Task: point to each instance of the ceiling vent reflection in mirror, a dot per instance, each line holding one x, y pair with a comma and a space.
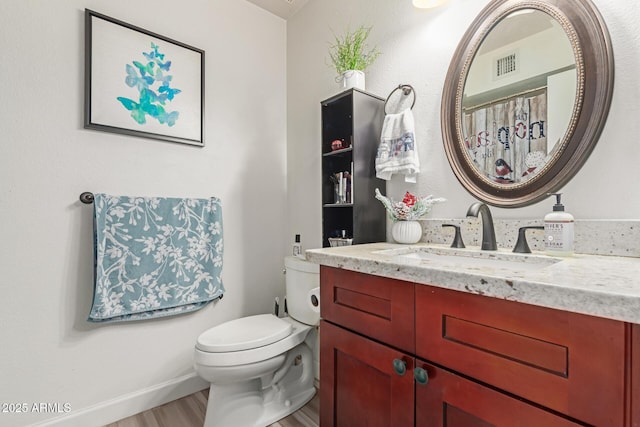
506, 65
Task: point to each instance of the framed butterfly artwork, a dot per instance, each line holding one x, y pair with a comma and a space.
142, 84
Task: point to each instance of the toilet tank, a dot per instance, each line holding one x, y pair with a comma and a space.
301, 278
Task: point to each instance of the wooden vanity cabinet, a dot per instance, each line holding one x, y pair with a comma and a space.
489, 362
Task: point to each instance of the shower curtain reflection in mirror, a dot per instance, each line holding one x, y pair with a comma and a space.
507, 139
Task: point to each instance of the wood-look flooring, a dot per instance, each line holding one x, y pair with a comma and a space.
189, 412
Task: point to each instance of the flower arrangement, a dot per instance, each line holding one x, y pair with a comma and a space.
410, 208
348, 51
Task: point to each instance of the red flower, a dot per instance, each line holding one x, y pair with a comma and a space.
409, 199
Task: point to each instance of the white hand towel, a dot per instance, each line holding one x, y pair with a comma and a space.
397, 152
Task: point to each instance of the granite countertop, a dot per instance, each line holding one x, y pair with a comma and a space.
603, 286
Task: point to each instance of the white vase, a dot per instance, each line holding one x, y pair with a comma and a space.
352, 78
406, 231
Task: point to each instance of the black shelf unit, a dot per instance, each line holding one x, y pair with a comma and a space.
355, 118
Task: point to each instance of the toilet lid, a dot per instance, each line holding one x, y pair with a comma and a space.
244, 333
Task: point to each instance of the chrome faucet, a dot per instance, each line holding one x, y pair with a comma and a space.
488, 232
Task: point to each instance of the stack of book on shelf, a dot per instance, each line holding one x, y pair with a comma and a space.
343, 186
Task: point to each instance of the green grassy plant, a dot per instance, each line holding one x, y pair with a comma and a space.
349, 51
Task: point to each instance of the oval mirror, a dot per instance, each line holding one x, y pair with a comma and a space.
526, 97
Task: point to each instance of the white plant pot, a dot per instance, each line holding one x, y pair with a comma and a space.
406, 232
352, 79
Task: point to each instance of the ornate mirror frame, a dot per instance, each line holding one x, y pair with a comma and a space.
590, 41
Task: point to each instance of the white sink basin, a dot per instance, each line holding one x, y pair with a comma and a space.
469, 258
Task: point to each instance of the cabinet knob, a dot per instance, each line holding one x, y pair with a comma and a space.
399, 366
421, 376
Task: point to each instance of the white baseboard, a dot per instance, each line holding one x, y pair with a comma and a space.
129, 404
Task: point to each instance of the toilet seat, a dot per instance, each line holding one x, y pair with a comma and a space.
298, 332
244, 334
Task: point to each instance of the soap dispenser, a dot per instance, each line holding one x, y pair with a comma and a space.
297, 246
558, 230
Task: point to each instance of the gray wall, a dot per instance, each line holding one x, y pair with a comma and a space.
417, 46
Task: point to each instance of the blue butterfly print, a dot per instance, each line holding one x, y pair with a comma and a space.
150, 56
134, 79
140, 109
144, 69
155, 51
160, 77
154, 88
164, 65
145, 106
169, 91
168, 118
162, 98
138, 112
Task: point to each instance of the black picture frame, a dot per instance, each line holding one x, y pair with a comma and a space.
142, 84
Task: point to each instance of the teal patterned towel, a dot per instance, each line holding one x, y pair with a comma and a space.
155, 256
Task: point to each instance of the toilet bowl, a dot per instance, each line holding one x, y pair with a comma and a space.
261, 367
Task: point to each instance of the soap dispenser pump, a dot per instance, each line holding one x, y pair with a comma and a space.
558, 230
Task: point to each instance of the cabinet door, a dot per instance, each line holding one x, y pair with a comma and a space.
449, 400
570, 363
360, 385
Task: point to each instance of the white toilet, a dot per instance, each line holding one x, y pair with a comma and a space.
261, 367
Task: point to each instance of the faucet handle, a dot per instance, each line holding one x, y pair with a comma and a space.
521, 245
457, 240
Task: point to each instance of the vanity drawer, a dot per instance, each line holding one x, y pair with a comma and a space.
568, 362
378, 307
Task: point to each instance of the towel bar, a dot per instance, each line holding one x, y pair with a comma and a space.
86, 198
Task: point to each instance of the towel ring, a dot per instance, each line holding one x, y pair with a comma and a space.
406, 91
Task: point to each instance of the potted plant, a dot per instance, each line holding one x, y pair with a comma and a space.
350, 57
405, 215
